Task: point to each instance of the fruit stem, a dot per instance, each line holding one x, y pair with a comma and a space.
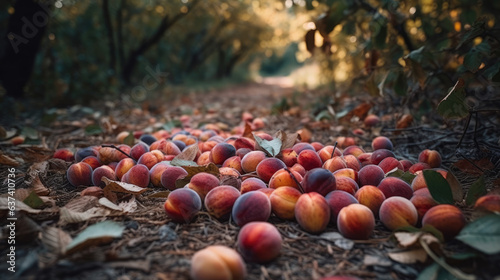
334, 148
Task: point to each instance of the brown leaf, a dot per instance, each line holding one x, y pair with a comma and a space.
405, 121
121, 187
362, 110
82, 203
407, 239
287, 140
467, 167
304, 135
455, 186
248, 131
55, 240
38, 187
6, 160
189, 153
68, 216
409, 257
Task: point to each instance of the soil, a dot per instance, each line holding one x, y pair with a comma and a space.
153, 247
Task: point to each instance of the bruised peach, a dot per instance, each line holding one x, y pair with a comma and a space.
326, 153
365, 159
393, 186
259, 242
346, 184
233, 162
319, 180
446, 218
312, 212
79, 174
156, 172
137, 175
380, 154
431, 157
338, 200
370, 175
251, 207
221, 152
396, 212
288, 156
353, 150
371, 197
356, 221
283, 202
220, 200
285, 177
64, 154
382, 142
217, 262
102, 171
389, 164
309, 159
92, 161
252, 184
250, 161
172, 174
267, 167
182, 205
138, 150
202, 183
489, 202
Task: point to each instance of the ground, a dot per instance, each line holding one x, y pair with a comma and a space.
153, 247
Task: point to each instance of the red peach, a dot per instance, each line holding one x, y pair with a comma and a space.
252, 184
123, 166
182, 205
242, 152
102, 171
299, 147
233, 162
138, 150
309, 159
422, 202
137, 175
288, 156
406, 164
371, 197
204, 158
326, 153
365, 159
250, 161
267, 167
64, 154
446, 218
202, 183
371, 120
156, 172
317, 146
149, 159
172, 174
221, 152
167, 147
334, 164
419, 166
370, 175
382, 142
319, 180
92, 161
244, 142
346, 184
396, 212
283, 202
85, 152
79, 174
347, 172
343, 141
353, 150
389, 164
217, 262
251, 207
284, 177
299, 169
356, 221
380, 154
338, 200
259, 242
312, 212
220, 200
431, 157
266, 191
393, 186
489, 202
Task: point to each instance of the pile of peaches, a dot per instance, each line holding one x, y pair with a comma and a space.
312, 184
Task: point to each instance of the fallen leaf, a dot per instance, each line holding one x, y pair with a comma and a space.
55, 240
68, 216
188, 154
94, 235
405, 121
371, 260
162, 194
6, 160
271, 148
20, 206
467, 166
121, 187
407, 239
287, 140
81, 203
410, 256
38, 187
362, 110
33, 200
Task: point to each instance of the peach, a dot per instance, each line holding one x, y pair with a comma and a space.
221, 152
146, 138
288, 156
406, 164
137, 175
138, 150
371, 197
389, 164
283, 202
170, 175
202, 183
431, 157
108, 154
102, 171
113, 165
79, 174
64, 154
207, 146
419, 166
370, 175
205, 135
285, 177
317, 146
422, 202
123, 166
229, 171
382, 142
396, 212
346, 184
92, 161
319, 180
217, 262
347, 172
446, 218
181, 145
167, 147
353, 150
233, 162
149, 159
266, 191
182, 205
85, 152
156, 172
251, 207
258, 123
489, 202
371, 120
338, 200
352, 162
365, 159
356, 221
345, 141
244, 142
309, 159
161, 134
419, 180
267, 167
312, 212
326, 153
242, 152
334, 164
380, 154
299, 147
220, 200
393, 186
259, 242
299, 169
252, 184
250, 161
204, 158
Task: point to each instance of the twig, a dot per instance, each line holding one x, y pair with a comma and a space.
115, 147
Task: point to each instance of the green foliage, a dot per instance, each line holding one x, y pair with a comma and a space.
438, 187
477, 189
483, 234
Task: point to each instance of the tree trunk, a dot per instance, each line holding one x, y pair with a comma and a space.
109, 30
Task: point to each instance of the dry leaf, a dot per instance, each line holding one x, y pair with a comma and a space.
55, 240
468, 167
106, 203
121, 187
68, 216
409, 257
81, 203
6, 160
94, 235
405, 121
248, 131
287, 140
407, 239
361, 110
304, 135
38, 186
189, 153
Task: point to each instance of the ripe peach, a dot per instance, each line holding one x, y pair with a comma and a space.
252, 184
165, 146
336, 201
288, 156
382, 142
365, 159
217, 262
419, 166
250, 161
202, 183
326, 153
123, 166
182, 205
266, 191
250, 207
347, 172
92, 161
264, 136
371, 197
172, 174
79, 174
221, 152
181, 145
267, 167
138, 150
419, 180
259, 242
309, 159
370, 175
108, 154
431, 157
380, 154
343, 141
371, 120
422, 202
317, 146
156, 173
149, 159
299, 169
137, 175
396, 212
244, 142
346, 184
85, 152
393, 186
356, 221
312, 212
161, 134
299, 147
319, 180
233, 162
353, 150
389, 164
446, 218
220, 200
204, 158
334, 164
113, 165
102, 171
207, 146
258, 123
352, 162
146, 138
284, 177
489, 202
406, 164
242, 152
64, 154
283, 202
229, 171
205, 135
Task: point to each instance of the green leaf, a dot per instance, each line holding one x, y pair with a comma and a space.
491, 71
472, 60
129, 140
453, 105
29, 132
455, 186
477, 190
93, 129
379, 31
483, 234
272, 148
401, 85
33, 200
405, 176
438, 187
429, 273
100, 233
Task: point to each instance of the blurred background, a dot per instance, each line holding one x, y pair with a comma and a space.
70, 52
